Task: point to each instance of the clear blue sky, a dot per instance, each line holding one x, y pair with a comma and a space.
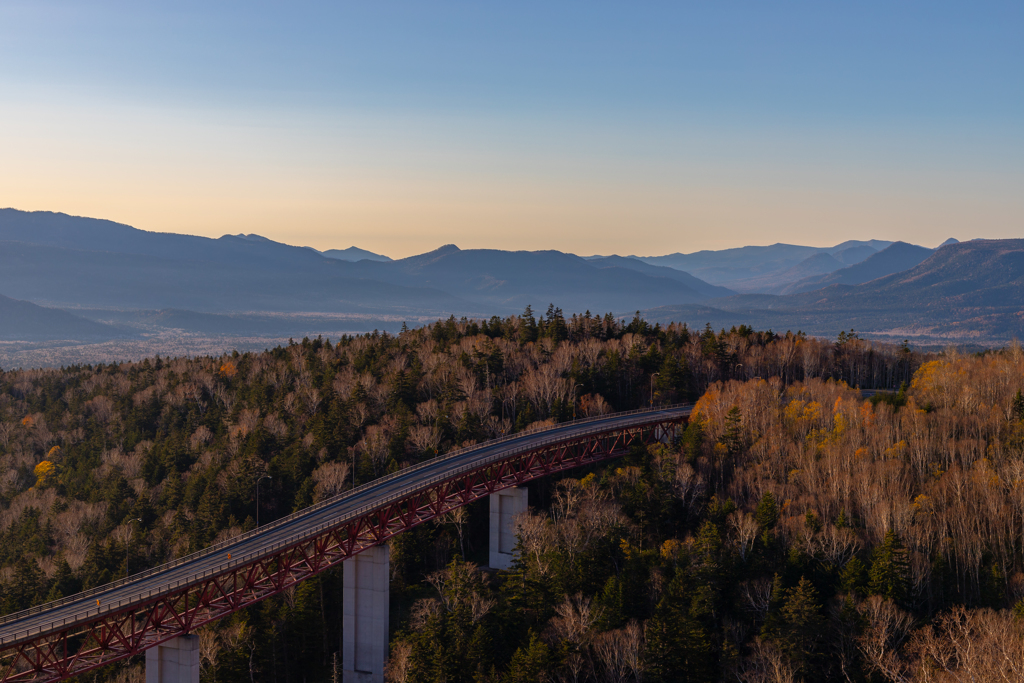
583, 126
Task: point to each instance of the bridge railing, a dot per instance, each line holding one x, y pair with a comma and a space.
302, 534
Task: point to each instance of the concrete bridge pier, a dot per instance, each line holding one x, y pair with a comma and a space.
366, 590
174, 661
505, 505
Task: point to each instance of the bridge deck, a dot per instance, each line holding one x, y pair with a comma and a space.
267, 540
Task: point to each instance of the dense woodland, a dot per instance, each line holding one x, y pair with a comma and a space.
794, 531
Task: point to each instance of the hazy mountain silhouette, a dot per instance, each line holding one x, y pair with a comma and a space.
730, 265
966, 290
812, 266
65, 261
103, 279
852, 255
979, 274
897, 257
59, 230
876, 245
690, 281
25, 321
248, 284
513, 279
354, 254
765, 269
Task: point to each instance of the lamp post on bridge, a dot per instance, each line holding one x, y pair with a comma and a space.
265, 476
574, 388
653, 375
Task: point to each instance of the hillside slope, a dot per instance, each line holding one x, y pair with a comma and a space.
24, 321
765, 268
965, 291
513, 279
970, 275
630, 263
897, 257
66, 261
103, 279
44, 228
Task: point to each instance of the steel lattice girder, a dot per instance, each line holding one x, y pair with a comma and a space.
117, 635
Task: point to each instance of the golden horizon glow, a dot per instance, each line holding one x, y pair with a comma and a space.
401, 186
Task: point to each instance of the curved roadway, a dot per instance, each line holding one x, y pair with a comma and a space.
312, 521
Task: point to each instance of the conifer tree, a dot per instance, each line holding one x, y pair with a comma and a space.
767, 511
796, 626
679, 647
733, 436
529, 664
890, 571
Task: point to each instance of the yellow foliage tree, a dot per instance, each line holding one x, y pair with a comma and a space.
44, 471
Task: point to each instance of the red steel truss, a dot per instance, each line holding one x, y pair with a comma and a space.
125, 630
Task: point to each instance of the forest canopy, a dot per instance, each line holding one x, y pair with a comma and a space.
795, 531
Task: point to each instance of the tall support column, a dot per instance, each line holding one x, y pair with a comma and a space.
505, 505
365, 616
175, 661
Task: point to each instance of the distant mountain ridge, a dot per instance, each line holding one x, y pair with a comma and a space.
690, 281
898, 256
354, 254
962, 291
81, 263
141, 282
766, 268
510, 280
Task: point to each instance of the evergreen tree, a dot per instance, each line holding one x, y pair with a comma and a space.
767, 511
528, 325
797, 627
679, 647
890, 570
530, 664
732, 438
854, 577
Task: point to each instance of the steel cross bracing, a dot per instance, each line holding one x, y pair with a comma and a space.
96, 635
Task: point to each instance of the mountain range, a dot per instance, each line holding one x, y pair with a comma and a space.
760, 269
969, 291
67, 277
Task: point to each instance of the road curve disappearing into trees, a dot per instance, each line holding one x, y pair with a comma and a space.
252, 546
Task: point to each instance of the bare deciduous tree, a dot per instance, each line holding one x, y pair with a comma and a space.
399, 664
620, 653
887, 629
331, 479
766, 665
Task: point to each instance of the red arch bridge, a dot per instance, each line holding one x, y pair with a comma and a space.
153, 610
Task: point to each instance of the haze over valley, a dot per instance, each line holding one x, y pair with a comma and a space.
70, 282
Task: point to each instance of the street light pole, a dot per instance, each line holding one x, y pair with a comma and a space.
575, 386
265, 476
128, 546
652, 387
